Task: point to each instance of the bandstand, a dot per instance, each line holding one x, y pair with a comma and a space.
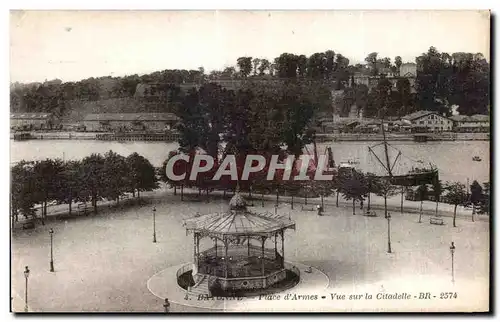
241, 261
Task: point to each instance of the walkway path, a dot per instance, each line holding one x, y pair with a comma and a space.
377, 202
164, 285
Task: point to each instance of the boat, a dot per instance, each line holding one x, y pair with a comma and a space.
476, 158
350, 164
415, 177
22, 136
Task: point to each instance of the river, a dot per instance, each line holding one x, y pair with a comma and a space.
452, 158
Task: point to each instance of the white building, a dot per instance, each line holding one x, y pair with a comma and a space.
428, 121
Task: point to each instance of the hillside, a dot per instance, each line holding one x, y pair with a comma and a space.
77, 109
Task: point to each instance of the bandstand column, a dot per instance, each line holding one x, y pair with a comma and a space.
215, 248
262, 259
225, 257
282, 248
198, 249
194, 250
275, 244
248, 247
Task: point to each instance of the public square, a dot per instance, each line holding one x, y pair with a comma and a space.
103, 262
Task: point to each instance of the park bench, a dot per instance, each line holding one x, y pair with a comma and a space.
82, 208
308, 208
29, 224
370, 213
436, 221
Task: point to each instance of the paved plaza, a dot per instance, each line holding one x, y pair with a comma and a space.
104, 262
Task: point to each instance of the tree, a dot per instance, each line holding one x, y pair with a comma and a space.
255, 64
47, 175
437, 191
115, 176
371, 59
245, 66
316, 66
421, 193
22, 187
484, 205
476, 196
385, 189
398, 62
70, 184
93, 178
302, 66
373, 186
354, 187
456, 195
329, 63
141, 174
324, 188
264, 65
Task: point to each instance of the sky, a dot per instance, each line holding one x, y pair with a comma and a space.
73, 45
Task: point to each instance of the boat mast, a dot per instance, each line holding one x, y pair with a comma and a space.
388, 167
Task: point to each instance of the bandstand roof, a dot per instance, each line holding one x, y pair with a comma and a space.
238, 220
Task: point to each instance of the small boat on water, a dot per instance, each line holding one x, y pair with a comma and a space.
22, 136
414, 177
476, 158
348, 164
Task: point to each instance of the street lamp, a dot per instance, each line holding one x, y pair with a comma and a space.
26, 275
51, 233
389, 233
154, 224
452, 251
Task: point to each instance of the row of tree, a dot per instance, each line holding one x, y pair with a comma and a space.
92, 179
442, 80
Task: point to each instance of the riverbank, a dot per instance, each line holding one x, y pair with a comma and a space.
408, 137
344, 137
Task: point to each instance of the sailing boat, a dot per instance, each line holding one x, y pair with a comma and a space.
415, 177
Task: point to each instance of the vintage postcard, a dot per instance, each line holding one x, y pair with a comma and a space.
250, 161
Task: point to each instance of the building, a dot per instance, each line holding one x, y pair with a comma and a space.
408, 70
474, 123
116, 122
31, 121
428, 121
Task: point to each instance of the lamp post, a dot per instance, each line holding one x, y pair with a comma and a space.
26, 275
154, 224
389, 233
51, 233
452, 251
275, 209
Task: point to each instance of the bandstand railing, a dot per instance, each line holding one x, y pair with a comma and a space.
242, 261
184, 268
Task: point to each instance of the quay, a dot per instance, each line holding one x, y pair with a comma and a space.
100, 136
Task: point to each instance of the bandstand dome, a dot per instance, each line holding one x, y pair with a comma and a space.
239, 261
238, 220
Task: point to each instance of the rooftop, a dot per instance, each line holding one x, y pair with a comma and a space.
238, 220
417, 115
131, 117
472, 118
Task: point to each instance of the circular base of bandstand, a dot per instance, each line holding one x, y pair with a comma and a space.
287, 280
164, 284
